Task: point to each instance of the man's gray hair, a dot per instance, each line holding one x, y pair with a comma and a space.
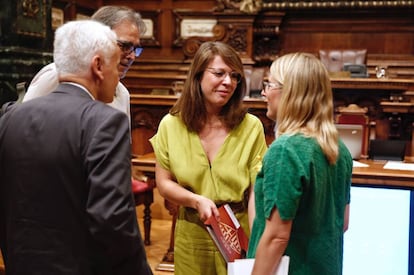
113, 15
76, 43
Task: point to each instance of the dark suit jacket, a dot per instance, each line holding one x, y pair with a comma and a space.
66, 205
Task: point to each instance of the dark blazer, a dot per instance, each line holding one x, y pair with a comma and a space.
66, 205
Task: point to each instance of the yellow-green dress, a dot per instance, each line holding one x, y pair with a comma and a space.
225, 179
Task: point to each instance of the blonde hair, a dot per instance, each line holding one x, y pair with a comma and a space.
306, 104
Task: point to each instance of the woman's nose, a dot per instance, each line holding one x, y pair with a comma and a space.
227, 78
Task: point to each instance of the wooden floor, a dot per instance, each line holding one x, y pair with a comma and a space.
160, 240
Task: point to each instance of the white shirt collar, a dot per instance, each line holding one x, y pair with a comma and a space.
80, 86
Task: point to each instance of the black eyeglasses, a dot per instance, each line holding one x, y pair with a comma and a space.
127, 47
221, 74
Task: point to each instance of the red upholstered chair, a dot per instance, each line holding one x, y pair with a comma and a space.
143, 188
353, 114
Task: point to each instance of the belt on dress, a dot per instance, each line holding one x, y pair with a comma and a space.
237, 207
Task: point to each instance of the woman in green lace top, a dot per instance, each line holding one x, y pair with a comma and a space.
303, 190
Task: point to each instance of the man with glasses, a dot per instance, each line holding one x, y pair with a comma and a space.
128, 26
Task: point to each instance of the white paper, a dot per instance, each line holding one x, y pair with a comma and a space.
245, 267
358, 164
399, 165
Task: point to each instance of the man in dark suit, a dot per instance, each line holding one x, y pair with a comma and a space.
66, 205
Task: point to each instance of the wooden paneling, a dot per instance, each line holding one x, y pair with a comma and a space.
279, 28
72, 8
384, 28
386, 33
379, 31
167, 23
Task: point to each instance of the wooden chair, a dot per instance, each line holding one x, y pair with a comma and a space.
143, 190
353, 114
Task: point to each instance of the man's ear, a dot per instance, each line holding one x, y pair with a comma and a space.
97, 67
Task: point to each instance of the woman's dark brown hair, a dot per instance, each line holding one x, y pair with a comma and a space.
190, 106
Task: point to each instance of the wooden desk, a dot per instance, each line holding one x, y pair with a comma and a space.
376, 176
396, 84
145, 164
169, 100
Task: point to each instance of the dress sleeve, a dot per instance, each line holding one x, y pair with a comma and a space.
159, 143
283, 178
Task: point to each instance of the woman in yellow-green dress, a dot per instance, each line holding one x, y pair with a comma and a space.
208, 151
